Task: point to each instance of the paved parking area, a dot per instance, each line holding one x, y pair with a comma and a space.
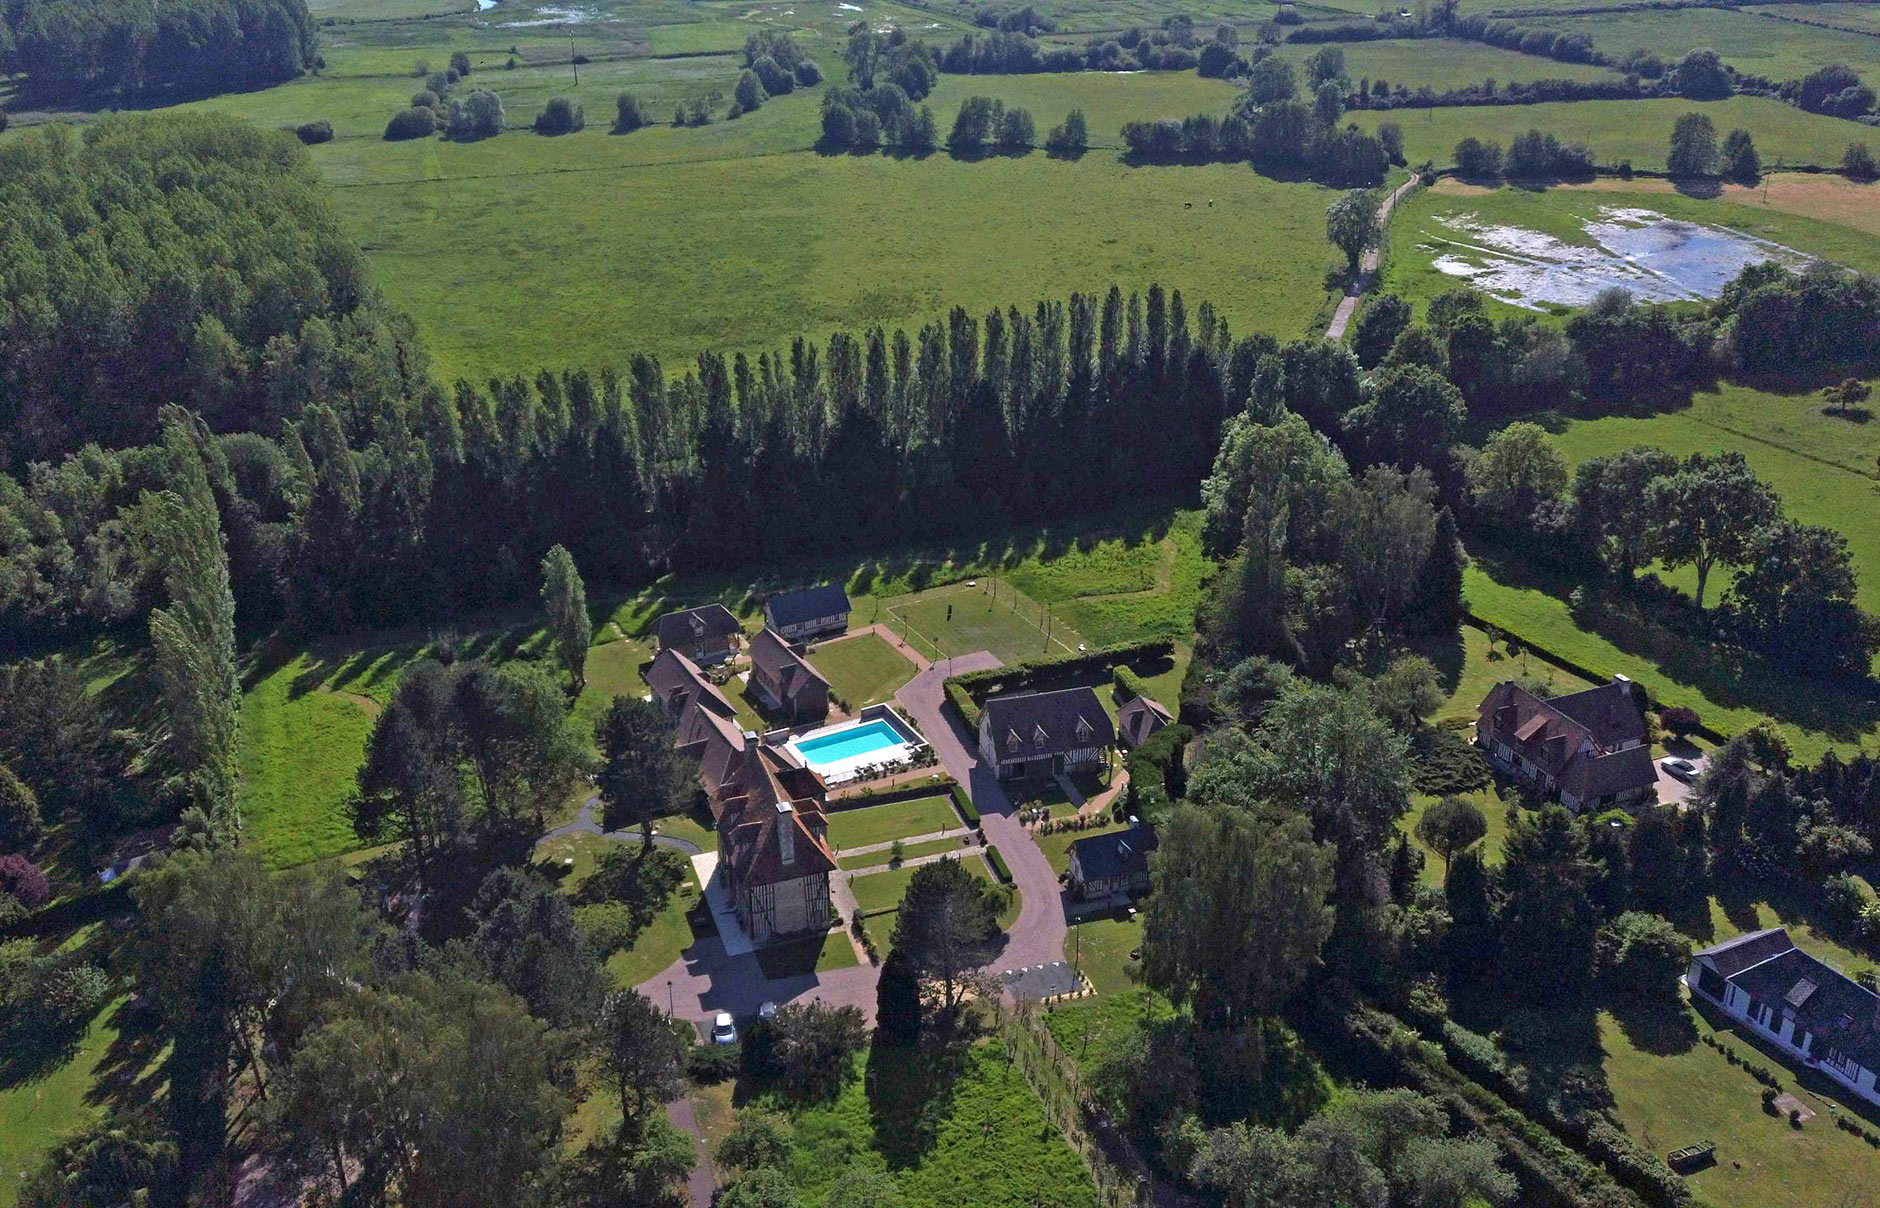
1034, 982
1671, 790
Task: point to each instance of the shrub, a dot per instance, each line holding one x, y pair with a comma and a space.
1859, 164
560, 116
808, 73
630, 114
74, 991
607, 926
750, 91
967, 809
411, 123
22, 879
1128, 683
460, 63
320, 131
711, 1063
424, 98
998, 864
1679, 720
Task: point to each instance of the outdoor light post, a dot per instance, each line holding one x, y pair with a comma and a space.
668, 998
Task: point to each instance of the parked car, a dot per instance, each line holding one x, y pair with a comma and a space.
1682, 769
767, 1010
723, 1030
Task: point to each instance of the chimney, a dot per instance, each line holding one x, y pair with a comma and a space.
1621, 679
786, 831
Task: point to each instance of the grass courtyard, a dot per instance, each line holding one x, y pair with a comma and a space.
872, 824
863, 669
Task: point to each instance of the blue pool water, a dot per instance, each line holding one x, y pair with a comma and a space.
848, 744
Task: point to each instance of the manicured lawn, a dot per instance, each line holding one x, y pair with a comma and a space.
1494, 811
1617, 130
1671, 1090
912, 851
882, 823
814, 954
949, 1129
584, 849
862, 669
613, 670
882, 891
684, 826
302, 745
660, 942
1101, 949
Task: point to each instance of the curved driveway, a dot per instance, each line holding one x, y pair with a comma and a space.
704, 980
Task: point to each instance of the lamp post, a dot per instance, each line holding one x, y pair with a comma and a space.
668, 998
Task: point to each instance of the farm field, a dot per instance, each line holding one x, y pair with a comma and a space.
1419, 230
862, 669
1754, 44
802, 244
1620, 130
1849, 16
1445, 63
1829, 199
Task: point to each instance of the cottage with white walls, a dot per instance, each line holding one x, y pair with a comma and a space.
1808, 1009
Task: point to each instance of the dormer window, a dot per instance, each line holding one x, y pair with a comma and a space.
1012, 740
1039, 736
1083, 728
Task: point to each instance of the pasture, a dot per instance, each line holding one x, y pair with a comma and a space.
1639, 131
1761, 44
1444, 63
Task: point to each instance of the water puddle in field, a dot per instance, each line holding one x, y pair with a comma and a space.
555, 16
1657, 259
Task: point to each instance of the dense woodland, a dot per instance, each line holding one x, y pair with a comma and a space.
93, 49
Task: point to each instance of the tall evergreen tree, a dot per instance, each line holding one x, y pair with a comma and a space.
565, 598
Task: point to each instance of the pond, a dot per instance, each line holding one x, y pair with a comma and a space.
1658, 259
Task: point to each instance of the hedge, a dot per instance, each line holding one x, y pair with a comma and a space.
889, 796
964, 805
998, 864
1128, 683
963, 701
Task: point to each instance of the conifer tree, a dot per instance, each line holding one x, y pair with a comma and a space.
565, 597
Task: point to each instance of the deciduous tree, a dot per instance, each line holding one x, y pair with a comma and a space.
564, 596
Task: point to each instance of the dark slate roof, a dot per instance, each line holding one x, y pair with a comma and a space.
1592, 776
781, 665
677, 683
1118, 854
696, 624
1753, 948
1139, 718
807, 604
1843, 1014
1029, 725
1608, 712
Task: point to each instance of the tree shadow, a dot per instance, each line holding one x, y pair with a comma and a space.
1701, 188
1660, 1031
910, 1094
1853, 415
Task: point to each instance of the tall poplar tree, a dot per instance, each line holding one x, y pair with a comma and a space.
565, 597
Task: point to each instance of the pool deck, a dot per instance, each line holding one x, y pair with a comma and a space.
836, 770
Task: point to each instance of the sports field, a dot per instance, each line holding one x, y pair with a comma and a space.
962, 618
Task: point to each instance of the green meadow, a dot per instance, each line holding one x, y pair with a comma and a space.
1639, 131
1444, 63
1754, 43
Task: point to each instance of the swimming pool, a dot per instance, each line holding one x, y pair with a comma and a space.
836, 752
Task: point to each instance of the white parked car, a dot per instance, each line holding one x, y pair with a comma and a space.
767, 1010
1682, 769
723, 1030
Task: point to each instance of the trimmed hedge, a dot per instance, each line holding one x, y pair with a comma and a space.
964, 805
964, 704
998, 864
1128, 683
890, 796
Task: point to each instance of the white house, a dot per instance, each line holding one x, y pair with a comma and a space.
1808, 1009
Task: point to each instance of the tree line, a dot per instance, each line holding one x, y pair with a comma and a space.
69, 49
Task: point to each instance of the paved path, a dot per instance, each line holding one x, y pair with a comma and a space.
958, 832
700, 1184
1037, 938
910, 862
1367, 267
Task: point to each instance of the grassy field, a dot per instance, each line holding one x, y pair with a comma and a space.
805, 244
1829, 199
1753, 43
897, 820
36, 1110
862, 669
960, 619
939, 1126
1419, 235
1848, 16
1101, 948
1618, 130
882, 891
1445, 63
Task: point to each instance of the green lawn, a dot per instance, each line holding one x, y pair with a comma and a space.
1445, 63
1494, 809
1419, 233
1090, 1029
882, 891
660, 942
872, 824
912, 851
944, 1128
862, 669
1671, 1090
36, 1111
301, 749
813, 954
958, 619
1616, 130
1101, 948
